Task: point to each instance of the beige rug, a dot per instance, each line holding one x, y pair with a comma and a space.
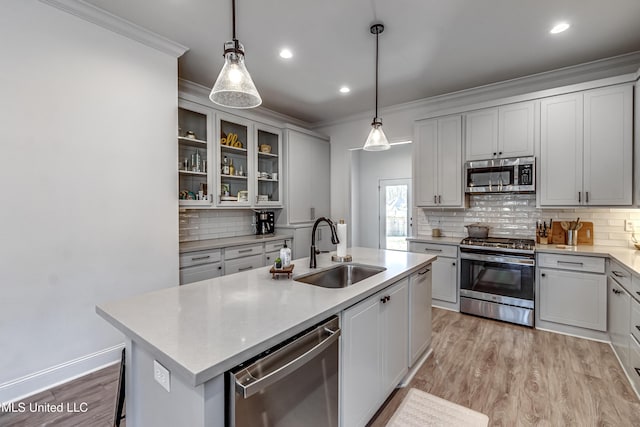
421, 409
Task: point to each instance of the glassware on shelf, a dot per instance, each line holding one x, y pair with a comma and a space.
232, 169
225, 166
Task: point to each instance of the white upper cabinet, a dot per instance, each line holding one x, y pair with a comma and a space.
505, 131
586, 148
438, 162
308, 177
268, 161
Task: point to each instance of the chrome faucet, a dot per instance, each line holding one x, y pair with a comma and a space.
334, 239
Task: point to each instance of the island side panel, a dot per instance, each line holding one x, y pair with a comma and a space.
150, 405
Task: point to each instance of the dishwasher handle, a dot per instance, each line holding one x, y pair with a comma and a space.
252, 385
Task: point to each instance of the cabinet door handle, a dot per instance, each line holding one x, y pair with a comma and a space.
500, 153
435, 199
579, 196
571, 263
543, 275
638, 293
244, 251
385, 298
198, 258
439, 199
617, 292
312, 212
453, 263
587, 196
617, 274
219, 267
245, 268
424, 272
638, 327
495, 154
637, 371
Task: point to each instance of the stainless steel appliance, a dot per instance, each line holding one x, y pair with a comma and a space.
513, 175
497, 278
265, 222
294, 384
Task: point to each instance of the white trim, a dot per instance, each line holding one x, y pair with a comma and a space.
118, 25
589, 334
595, 70
415, 368
199, 94
28, 385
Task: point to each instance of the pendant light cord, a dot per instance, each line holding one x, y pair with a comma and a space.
377, 35
233, 14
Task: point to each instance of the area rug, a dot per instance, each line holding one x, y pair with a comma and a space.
421, 409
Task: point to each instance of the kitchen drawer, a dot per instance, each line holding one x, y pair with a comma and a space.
634, 362
200, 272
635, 319
270, 257
572, 262
242, 251
450, 251
274, 246
620, 274
189, 259
635, 287
243, 264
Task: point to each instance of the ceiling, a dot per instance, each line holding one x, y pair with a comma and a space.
429, 47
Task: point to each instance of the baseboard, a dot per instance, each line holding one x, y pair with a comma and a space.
414, 369
31, 384
445, 305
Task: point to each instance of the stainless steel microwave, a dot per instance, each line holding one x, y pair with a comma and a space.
514, 175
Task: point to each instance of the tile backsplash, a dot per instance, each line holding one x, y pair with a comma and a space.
511, 215
214, 224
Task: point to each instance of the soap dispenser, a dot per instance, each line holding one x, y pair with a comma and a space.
285, 255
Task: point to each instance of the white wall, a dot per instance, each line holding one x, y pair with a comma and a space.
374, 166
88, 185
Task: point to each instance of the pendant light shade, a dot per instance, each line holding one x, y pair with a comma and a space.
234, 87
377, 140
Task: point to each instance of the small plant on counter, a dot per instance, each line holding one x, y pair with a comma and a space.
278, 263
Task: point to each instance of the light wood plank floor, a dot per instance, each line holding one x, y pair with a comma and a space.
516, 375
520, 376
97, 389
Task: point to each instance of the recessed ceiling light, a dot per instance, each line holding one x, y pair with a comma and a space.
558, 28
286, 54
345, 89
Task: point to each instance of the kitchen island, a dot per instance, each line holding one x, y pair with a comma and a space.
199, 331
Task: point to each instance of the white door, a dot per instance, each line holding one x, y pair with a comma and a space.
395, 213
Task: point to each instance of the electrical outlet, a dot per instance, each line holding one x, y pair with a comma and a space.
628, 225
162, 375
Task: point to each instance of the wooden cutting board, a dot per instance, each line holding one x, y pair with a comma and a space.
585, 234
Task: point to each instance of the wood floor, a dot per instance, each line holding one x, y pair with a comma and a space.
520, 376
515, 375
97, 389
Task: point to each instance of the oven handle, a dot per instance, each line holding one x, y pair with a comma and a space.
247, 390
497, 258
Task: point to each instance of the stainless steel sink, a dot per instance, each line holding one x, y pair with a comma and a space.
340, 276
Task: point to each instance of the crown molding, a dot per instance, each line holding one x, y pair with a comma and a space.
594, 70
118, 25
200, 94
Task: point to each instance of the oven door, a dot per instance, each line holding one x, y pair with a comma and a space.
500, 278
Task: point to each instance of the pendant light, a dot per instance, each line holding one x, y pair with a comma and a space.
377, 140
234, 87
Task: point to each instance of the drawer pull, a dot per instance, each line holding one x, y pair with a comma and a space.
198, 258
638, 293
571, 263
245, 268
385, 298
615, 291
638, 327
637, 371
424, 272
432, 250
244, 251
617, 274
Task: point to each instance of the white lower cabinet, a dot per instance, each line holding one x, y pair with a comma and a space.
619, 304
243, 264
374, 351
573, 298
445, 272
419, 313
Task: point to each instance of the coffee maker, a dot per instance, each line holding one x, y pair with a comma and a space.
265, 222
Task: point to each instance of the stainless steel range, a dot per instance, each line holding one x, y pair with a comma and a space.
497, 278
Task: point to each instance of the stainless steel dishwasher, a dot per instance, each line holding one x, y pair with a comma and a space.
294, 384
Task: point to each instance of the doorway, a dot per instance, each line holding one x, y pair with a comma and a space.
395, 220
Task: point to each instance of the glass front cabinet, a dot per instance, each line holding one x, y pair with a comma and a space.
195, 182
268, 161
226, 160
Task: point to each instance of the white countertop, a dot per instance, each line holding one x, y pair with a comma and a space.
629, 257
443, 240
201, 245
205, 328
